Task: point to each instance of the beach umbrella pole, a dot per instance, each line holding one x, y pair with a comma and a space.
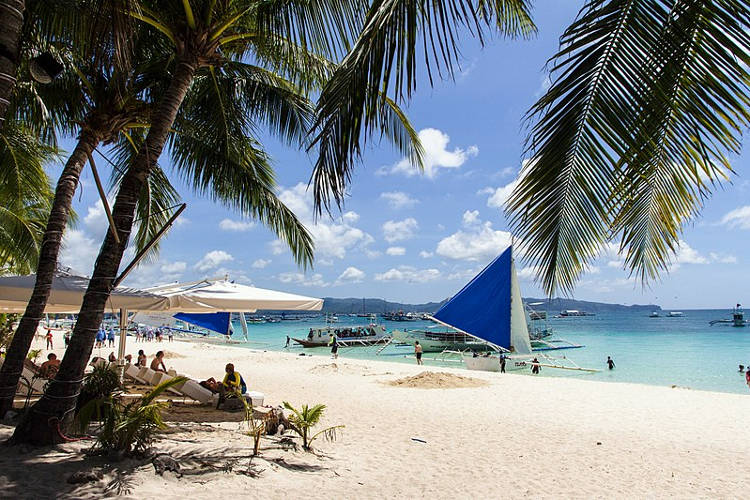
123, 339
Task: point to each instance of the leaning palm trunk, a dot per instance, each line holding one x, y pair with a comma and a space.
11, 13
48, 419
51, 241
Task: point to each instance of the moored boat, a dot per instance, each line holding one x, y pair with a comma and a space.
345, 336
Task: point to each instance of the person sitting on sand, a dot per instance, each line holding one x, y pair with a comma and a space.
112, 357
232, 386
141, 359
49, 368
157, 364
129, 358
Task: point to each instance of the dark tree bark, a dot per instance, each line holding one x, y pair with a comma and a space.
48, 253
11, 22
49, 418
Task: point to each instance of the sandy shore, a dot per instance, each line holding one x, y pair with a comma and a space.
513, 435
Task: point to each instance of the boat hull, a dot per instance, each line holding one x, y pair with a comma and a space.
492, 363
437, 342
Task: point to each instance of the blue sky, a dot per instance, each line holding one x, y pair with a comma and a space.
420, 237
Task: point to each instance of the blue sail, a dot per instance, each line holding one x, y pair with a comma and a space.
218, 322
483, 307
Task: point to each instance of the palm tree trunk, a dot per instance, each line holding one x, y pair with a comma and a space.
51, 241
49, 418
11, 13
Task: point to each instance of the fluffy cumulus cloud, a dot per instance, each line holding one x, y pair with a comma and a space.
436, 155
212, 260
302, 279
398, 199
737, 218
396, 251
79, 251
173, 267
237, 226
476, 241
260, 263
409, 274
350, 275
400, 230
425, 254
333, 238
498, 197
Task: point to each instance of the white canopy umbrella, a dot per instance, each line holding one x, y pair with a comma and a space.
67, 295
224, 295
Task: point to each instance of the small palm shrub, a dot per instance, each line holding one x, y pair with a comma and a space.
33, 355
98, 385
304, 419
128, 428
256, 426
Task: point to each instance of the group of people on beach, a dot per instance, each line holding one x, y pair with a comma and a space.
149, 334
103, 336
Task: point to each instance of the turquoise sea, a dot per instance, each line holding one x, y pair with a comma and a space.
685, 352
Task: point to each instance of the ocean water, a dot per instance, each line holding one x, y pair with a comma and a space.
685, 352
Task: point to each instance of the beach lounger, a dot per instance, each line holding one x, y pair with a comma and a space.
145, 375
194, 390
160, 377
131, 372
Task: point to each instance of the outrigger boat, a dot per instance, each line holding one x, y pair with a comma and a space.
738, 318
350, 336
489, 308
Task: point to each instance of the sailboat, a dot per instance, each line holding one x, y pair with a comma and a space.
489, 308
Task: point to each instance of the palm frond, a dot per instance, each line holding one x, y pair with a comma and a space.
647, 98
383, 61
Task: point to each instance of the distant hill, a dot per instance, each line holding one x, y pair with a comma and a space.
353, 305
556, 305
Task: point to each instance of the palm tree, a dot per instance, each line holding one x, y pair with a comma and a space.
649, 100
10, 37
242, 177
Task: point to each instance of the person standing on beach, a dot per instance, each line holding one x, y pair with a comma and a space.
610, 363
747, 378
334, 343
503, 359
418, 352
111, 337
287, 342
535, 368
49, 339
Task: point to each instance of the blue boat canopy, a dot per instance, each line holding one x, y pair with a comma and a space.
217, 322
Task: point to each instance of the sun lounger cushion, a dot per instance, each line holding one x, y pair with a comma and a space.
164, 377
131, 371
194, 390
145, 375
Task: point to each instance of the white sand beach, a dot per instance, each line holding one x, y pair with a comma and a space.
515, 435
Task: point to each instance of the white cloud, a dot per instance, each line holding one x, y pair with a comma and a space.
498, 197
409, 274
470, 217
277, 247
333, 238
350, 275
372, 254
235, 225
396, 251
212, 260
350, 217
398, 199
79, 251
737, 218
260, 263
478, 241
425, 254
436, 156
722, 258
399, 230
688, 255
301, 279
173, 267
528, 272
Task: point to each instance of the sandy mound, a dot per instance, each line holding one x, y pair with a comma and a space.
172, 355
437, 380
338, 368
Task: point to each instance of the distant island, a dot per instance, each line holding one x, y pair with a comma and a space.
379, 306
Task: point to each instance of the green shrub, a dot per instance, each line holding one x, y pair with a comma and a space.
127, 428
101, 383
305, 419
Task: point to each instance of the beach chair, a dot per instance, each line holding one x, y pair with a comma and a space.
160, 377
194, 390
145, 375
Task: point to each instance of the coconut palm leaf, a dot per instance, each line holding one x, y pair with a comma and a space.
383, 62
26, 194
639, 105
